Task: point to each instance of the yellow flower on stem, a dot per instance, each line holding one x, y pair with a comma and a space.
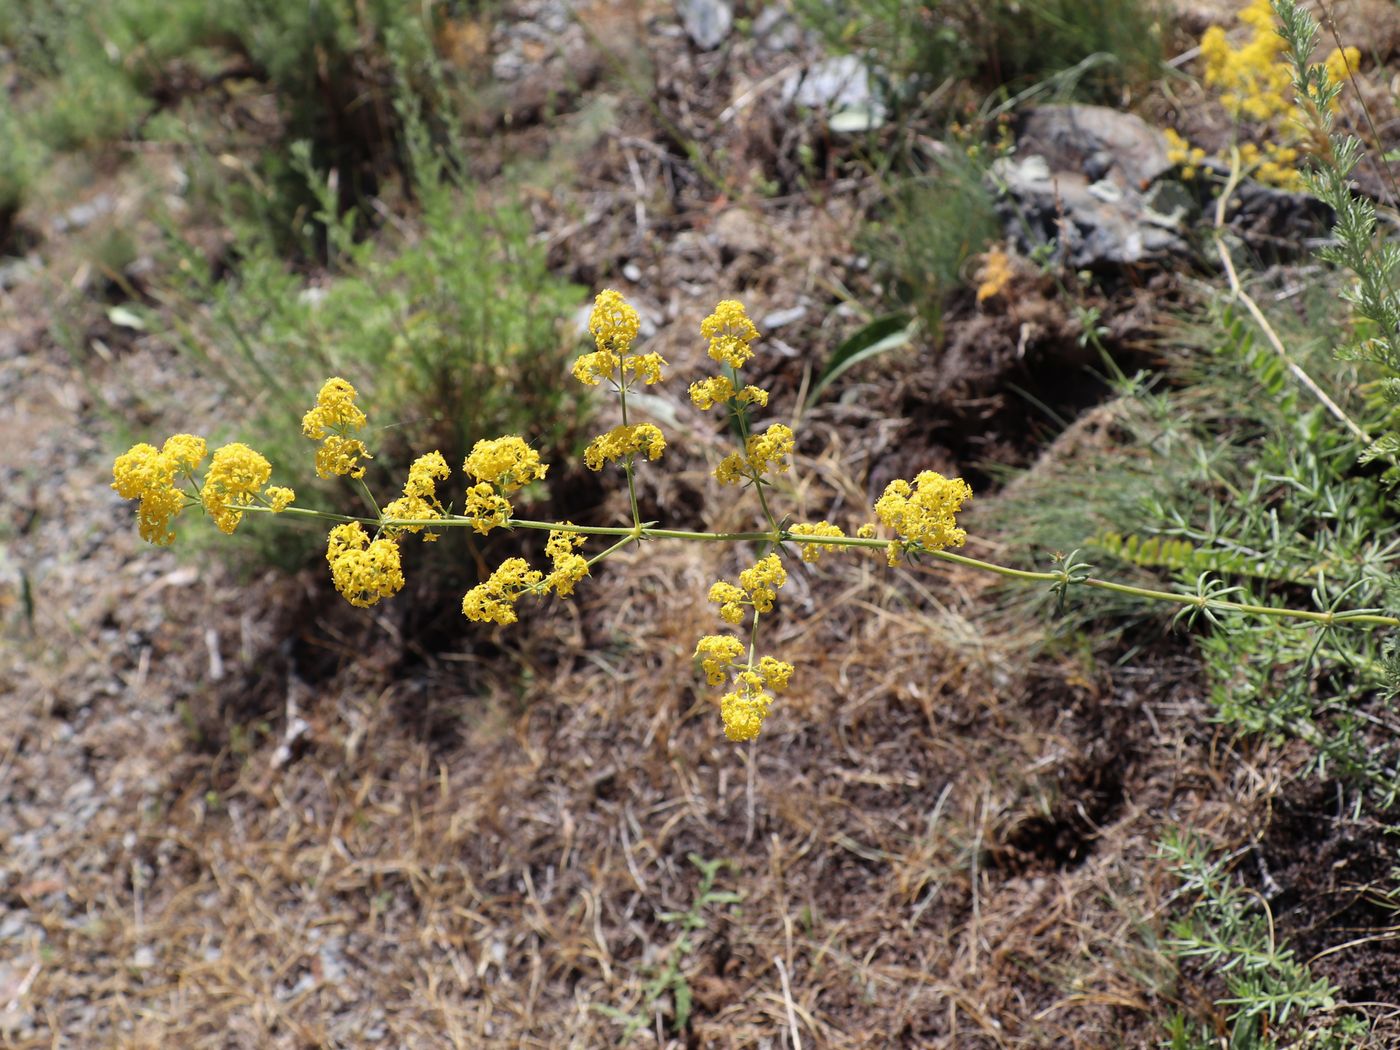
623, 441
730, 332
763, 454
148, 474
716, 390
236, 475
744, 709
758, 587
613, 323
494, 600
363, 571
717, 654
335, 410
419, 500
331, 422
279, 498
506, 462
569, 566
486, 508
923, 514
813, 551
775, 673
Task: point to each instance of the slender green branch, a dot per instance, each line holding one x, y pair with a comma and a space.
648, 531
627, 463
303, 512
369, 497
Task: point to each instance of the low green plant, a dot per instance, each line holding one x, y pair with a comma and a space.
1004, 45
930, 228
454, 323
90, 72
668, 979
1272, 1000
1230, 480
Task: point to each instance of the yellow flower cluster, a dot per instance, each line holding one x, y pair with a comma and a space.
923, 514
236, 475
730, 332
1253, 79
506, 464
758, 587
614, 325
362, 570
717, 654
623, 441
332, 422
234, 482
494, 600
993, 275
744, 708
486, 508
419, 501
746, 705
765, 453
1183, 155
148, 473
717, 390
569, 566
1255, 83
814, 551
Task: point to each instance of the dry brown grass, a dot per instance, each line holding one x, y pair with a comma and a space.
941, 840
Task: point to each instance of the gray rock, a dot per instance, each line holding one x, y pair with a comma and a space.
1092, 223
80, 215
706, 22
1081, 178
840, 85
776, 30
1099, 143
15, 271
782, 318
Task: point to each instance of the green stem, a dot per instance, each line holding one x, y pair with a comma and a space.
369, 497
763, 502
645, 531
627, 463
303, 512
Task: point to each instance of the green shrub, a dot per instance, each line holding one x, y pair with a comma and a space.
1230, 474
450, 329
1273, 1000
341, 70
932, 226
1002, 45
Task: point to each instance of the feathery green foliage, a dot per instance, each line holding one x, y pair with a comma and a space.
453, 327
1272, 1000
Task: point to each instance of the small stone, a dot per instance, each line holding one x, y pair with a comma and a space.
706, 22
782, 318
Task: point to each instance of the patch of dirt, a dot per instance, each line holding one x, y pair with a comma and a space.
1334, 888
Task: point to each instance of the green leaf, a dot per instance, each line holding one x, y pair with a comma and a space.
682, 990
883, 334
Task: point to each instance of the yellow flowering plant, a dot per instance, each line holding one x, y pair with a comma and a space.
364, 553
1252, 77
